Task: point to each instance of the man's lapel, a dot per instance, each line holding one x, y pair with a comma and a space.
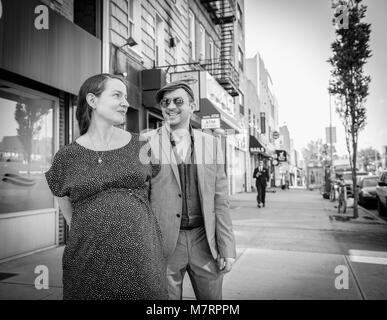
168, 156
198, 158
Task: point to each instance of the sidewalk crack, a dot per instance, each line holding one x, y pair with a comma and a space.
363, 297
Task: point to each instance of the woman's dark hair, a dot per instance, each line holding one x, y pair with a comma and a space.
95, 85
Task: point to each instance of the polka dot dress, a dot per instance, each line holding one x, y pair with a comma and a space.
114, 250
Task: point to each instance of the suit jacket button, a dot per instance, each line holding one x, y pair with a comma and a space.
179, 195
178, 215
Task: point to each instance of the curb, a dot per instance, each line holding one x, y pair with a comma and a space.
373, 214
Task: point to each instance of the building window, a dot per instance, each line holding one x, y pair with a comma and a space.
178, 51
191, 31
240, 58
240, 16
212, 49
131, 18
159, 42
179, 5
263, 123
217, 53
254, 126
87, 15
250, 123
202, 35
134, 20
26, 148
241, 104
272, 109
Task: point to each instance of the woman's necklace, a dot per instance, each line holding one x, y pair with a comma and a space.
106, 148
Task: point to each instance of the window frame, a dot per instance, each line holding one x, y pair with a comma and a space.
192, 34
55, 146
136, 22
159, 41
202, 34
241, 58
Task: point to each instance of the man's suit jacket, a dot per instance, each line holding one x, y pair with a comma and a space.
166, 198
262, 177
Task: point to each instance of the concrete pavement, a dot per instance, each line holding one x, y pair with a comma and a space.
288, 250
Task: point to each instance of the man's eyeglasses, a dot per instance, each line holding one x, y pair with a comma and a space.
178, 102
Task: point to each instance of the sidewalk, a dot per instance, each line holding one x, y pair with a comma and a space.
259, 272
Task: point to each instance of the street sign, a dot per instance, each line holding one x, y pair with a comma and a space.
281, 155
328, 135
211, 122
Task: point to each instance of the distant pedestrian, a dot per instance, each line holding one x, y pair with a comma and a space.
287, 180
261, 175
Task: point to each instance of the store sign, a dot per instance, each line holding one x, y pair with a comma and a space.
257, 150
210, 89
193, 80
241, 141
211, 122
280, 155
276, 135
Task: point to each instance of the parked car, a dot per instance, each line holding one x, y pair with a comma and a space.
381, 194
367, 189
347, 176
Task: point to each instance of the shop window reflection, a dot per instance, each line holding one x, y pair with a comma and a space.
26, 150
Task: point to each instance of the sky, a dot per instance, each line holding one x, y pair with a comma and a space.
293, 37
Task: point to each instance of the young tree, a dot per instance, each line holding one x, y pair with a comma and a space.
318, 151
369, 156
29, 116
349, 84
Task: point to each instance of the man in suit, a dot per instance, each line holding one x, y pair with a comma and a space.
190, 199
261, 175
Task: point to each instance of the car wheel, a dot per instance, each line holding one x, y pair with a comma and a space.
382, 210
361, 202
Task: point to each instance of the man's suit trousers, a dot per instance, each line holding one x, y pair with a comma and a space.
192, 254
261, 189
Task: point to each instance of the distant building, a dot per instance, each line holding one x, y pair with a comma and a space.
263, 116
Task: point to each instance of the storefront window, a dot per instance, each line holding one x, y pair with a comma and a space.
26, 149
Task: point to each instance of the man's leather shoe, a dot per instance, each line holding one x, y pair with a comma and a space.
263, 205
258, 205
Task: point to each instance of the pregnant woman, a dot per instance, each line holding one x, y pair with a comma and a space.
114, 250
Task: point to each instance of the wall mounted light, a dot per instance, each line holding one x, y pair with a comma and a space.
172, 42
130, 42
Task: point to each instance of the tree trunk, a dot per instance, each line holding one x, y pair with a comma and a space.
354, 182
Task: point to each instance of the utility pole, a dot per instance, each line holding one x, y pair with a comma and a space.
330, 131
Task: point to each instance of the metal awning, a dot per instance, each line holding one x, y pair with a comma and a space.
207, 108
257, 147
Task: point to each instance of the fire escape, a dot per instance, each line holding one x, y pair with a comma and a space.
223, 13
